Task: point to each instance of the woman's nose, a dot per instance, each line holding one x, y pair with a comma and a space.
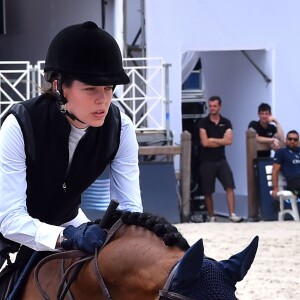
100, 95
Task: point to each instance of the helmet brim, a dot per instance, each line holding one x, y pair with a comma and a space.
120, 78
103, 80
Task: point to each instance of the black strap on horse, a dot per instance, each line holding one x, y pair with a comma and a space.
165, 293
113, 204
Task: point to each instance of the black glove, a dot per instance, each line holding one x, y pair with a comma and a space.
86, 237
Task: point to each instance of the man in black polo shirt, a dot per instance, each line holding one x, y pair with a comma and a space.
215, 133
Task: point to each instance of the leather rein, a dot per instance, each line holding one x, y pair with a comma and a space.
166, 294
65, 283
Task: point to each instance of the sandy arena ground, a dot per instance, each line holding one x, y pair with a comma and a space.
275, 272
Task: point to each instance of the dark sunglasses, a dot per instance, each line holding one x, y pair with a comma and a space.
293, 139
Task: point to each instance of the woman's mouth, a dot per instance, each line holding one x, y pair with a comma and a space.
99, 113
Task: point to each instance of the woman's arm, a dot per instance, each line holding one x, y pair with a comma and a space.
15, 222
124, 170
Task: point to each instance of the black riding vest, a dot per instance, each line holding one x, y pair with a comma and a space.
53, 194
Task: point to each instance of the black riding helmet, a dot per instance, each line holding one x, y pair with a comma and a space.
87, 53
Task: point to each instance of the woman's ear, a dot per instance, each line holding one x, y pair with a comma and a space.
54, 85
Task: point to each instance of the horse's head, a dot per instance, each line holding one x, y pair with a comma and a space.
197, 277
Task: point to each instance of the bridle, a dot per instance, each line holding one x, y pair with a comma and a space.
71, 273
166, 294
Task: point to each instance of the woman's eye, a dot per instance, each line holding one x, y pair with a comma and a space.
109, 87
89, 89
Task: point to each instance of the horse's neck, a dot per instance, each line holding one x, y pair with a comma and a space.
135, 265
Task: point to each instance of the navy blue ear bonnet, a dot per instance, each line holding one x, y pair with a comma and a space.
201, 278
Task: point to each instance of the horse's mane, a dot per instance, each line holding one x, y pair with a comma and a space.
158, 225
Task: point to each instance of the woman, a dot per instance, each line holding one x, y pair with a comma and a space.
54, 146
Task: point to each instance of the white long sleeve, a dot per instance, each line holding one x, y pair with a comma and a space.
124, 170
15, 222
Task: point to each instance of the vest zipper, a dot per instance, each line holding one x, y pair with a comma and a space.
64, 186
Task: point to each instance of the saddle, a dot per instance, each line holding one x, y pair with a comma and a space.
10, 273
8, 278
13, 275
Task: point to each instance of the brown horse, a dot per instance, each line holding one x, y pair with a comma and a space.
137, 263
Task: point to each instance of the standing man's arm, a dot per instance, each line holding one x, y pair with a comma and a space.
205, 141
215, 142
275, 172
227, 138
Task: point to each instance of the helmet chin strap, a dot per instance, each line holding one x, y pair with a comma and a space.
62, 101
63, 110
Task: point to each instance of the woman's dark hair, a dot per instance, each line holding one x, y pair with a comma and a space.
66, 80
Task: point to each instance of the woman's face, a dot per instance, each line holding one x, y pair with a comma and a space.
88, 103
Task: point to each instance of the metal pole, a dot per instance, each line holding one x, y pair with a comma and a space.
265, 77
32, 70
125, 45
143, 43
143, 54
167, 66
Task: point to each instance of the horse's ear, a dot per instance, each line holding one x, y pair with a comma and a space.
190, 265
238, 265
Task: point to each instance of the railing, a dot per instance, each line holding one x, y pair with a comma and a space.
143, 100
184, 176
14, 83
